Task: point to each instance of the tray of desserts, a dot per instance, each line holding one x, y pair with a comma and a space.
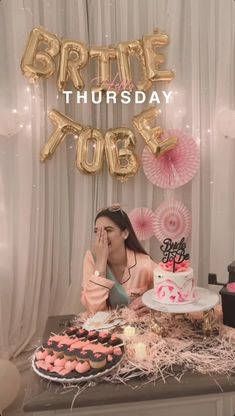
77, 355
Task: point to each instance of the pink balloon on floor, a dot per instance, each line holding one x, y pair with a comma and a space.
10, 380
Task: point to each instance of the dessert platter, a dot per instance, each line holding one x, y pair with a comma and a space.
77, 355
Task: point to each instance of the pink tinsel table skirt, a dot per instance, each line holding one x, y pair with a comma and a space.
184, 348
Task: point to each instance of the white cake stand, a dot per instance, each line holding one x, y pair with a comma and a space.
205, 301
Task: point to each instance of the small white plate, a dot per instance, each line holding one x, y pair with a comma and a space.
99, 326
101, 321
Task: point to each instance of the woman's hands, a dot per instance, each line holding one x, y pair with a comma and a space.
138, 306
100, 249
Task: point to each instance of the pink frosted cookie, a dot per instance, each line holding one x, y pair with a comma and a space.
117, 351
78, 344
55, 338
70, 365
99, 348
41, 355
64, 371
56, 370
44, 366
66, 340
50, 358
60, 362
82, 367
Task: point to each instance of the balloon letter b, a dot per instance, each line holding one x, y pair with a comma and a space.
37, 61
119, 145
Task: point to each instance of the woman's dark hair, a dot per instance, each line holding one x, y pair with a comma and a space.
121, 219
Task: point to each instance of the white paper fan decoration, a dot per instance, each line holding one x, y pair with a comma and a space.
172, 220
142, 222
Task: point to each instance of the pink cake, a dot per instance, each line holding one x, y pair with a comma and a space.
174, 288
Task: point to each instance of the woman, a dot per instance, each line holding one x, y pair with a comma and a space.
118, 270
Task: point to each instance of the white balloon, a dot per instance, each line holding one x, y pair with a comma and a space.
226, 123
10, 122
10, 380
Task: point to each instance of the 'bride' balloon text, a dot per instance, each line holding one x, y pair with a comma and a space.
39, 60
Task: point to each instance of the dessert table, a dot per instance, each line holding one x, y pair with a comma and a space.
194, 394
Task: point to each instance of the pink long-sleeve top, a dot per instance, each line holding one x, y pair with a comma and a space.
137, 279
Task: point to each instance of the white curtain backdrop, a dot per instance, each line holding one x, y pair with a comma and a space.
47, 210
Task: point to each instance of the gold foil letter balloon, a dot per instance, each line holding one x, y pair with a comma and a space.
37, 60
104, 75
73, 57
90, 142
126, 49
121, 159
64, 125
154, 59
153, 135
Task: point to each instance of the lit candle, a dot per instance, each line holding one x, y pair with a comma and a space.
140, 351
129, 331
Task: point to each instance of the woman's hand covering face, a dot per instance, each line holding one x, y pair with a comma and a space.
100, 246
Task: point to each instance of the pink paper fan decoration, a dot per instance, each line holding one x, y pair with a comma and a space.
172, 220
142, 222
175, 167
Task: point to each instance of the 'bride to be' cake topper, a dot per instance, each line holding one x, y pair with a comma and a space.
174, 252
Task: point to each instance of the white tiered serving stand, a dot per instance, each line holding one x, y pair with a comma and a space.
205, 301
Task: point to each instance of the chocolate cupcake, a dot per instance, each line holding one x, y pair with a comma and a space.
83, 355
92, 335
97, 360
59, 350
81, 333
72, 354
49, 346
104, 337
115, 341
71, 331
